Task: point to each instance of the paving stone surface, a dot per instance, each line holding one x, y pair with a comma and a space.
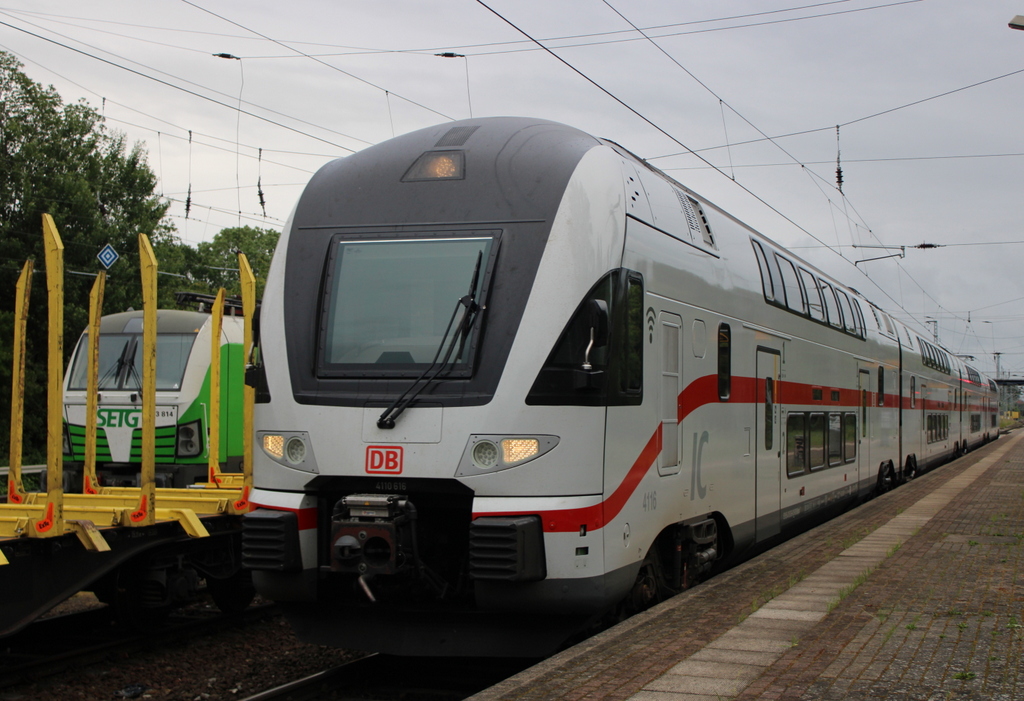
930, 606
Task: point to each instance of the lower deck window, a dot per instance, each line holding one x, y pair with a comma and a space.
796, 444
811, 436
937, 427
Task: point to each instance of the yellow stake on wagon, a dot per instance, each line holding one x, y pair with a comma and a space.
216, 323
51, 522
248, 281
15, 487
144, 513
91, 485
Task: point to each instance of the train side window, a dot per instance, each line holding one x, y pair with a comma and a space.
849, 437
881, 386
831, 306
615, 376
769, 413
791, 285
878, 319
835, 439
724, 362
888, 324
813, 295
767, 281
816, 441
631, 379
913, 392
796, 444
859, 313
864, 410
849, 321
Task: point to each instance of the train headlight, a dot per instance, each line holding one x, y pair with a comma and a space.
437, 165
295, 450
189, 443
273, 445
485, 455
289, 448
515, 450
493, 453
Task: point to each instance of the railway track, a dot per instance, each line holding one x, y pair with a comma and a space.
50, 646
387, 678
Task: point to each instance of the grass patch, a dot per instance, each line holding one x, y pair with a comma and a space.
888, 634
849, 589
964, 676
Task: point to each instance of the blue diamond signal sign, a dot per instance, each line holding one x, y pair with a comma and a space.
108, 256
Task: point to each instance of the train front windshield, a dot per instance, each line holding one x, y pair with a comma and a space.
120, 361
392, 304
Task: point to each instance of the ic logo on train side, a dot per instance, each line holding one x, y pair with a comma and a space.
384, 459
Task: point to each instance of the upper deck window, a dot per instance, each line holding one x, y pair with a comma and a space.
791, 284
394, 307
813, 295
767, 279
831, 306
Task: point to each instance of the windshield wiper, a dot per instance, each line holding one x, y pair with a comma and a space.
387, 419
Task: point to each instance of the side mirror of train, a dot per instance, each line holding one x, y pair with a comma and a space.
597, 316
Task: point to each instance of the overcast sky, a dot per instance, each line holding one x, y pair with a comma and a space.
929, 96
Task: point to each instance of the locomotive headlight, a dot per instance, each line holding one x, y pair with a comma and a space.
496, 453
290, 448
273, 445
295, 450
189, 441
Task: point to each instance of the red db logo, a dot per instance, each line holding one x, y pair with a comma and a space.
384, 459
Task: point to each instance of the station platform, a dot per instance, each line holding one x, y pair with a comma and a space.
916, 594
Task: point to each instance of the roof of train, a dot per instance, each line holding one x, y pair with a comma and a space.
167, 321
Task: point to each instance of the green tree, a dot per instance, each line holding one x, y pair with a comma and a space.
214, 264
60, 159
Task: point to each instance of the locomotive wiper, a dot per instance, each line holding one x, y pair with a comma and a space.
387, 418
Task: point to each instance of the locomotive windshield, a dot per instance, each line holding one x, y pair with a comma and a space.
120, 361
391, 304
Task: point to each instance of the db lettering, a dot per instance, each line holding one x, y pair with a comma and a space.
384, 459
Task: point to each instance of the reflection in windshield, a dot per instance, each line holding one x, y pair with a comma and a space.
390, 301
120, 361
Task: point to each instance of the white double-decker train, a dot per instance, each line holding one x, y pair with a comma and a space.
513, 378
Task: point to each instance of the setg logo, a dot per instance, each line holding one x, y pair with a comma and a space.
119, 418
384, 459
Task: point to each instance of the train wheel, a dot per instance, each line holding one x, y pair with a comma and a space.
232, 594
910, 471
886, 478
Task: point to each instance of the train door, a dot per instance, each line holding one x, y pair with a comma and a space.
671, 386
768, 455
864, 454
